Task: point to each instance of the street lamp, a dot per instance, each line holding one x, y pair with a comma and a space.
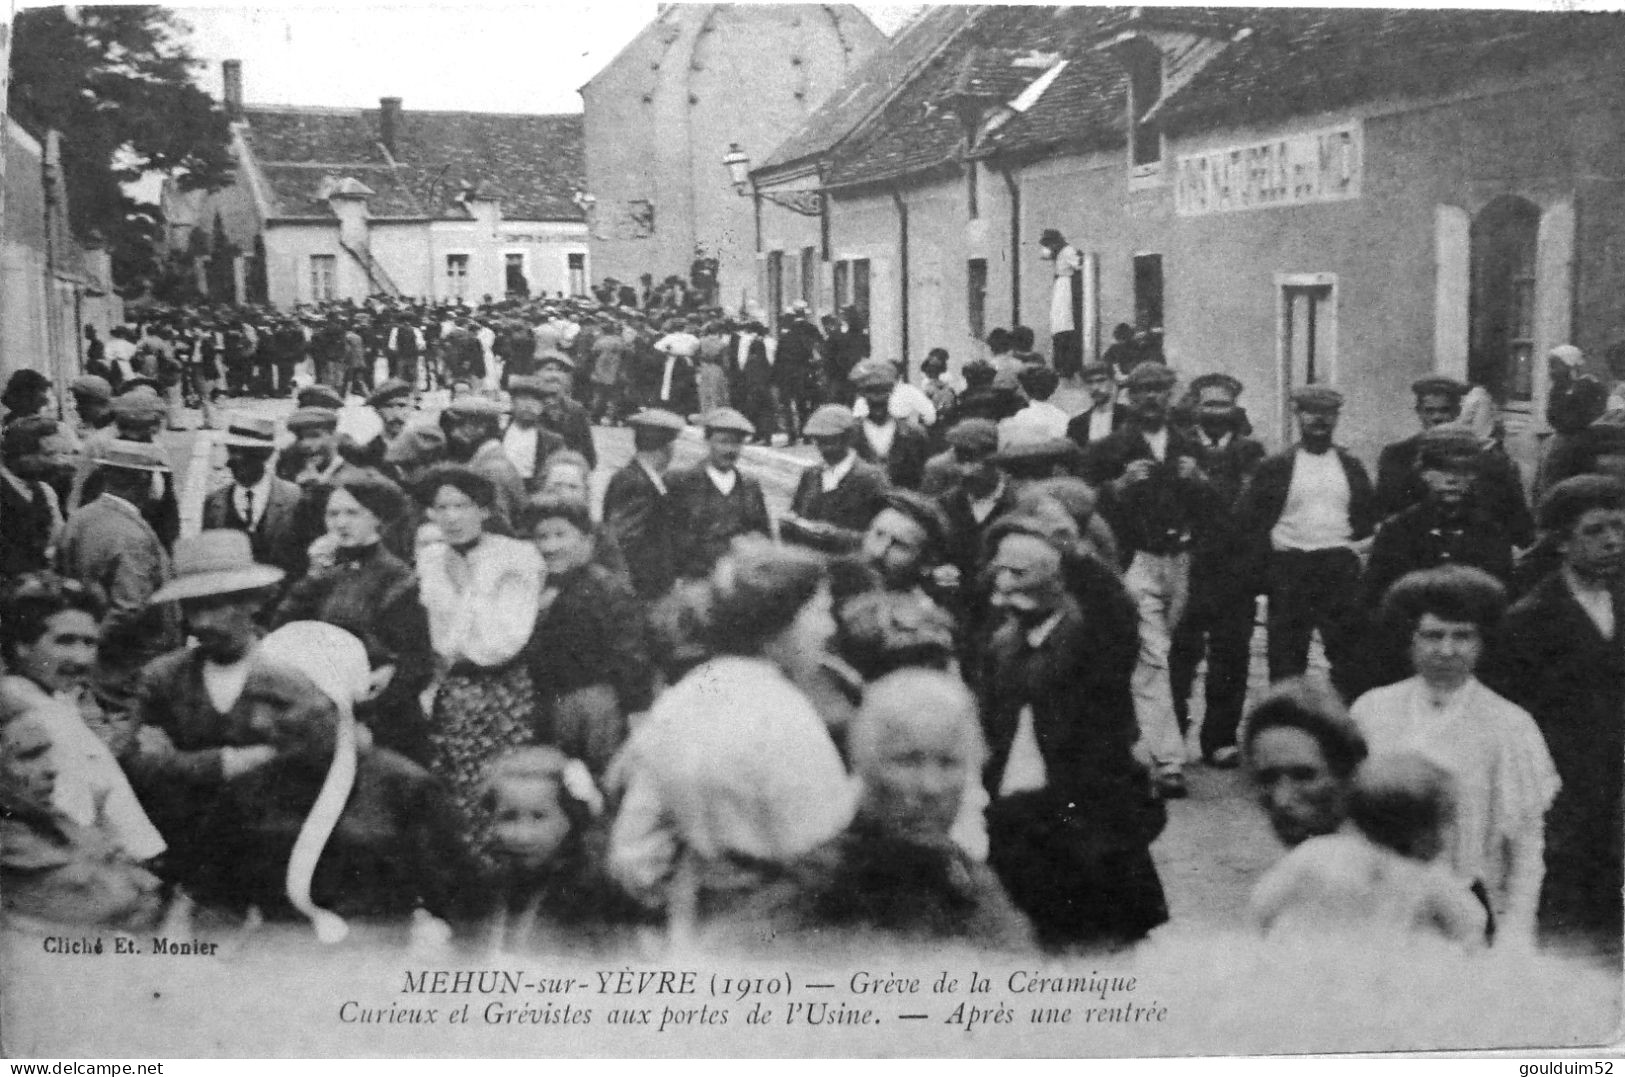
737, 162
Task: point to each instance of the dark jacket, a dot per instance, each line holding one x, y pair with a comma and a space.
905, 463
865, 881
1075, 855
574, 425
1498, 487
1421, 536
1264, 499
1165, 513
856, 500
373, 595
1078, 428
282, 537
966, 542
642, 520
547, 443
591, 634
395, 847
707, 521
25, 528
1550, 659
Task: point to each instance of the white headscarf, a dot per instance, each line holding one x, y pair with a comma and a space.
336, 662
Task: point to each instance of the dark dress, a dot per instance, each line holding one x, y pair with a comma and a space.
395, 848
1551, 660
865, 883
592, 634
373, 595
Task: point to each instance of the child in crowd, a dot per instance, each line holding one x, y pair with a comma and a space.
1381, 874
544, 811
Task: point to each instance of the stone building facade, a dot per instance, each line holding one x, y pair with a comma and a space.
662, 116
333, 203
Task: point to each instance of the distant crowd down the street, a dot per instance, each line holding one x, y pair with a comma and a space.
413, 673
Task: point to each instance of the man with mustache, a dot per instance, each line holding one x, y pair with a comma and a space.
1072, 818
195, 733
1305, 509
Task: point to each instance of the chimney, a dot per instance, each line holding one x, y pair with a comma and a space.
389, 122
231, 79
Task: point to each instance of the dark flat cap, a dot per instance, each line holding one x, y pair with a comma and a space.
393, 389
1150, 376
473, 406
1216, 378
313, 419
977, 435
1439, 385
1317, 398
727, 419
319, 396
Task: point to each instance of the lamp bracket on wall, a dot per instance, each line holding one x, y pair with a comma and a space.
806, 203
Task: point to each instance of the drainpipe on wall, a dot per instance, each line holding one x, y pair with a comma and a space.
902, 270
1015, 244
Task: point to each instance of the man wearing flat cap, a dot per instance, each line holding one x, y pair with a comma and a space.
1559, 656
834, 500
979, 497
1305, 510
899, 446
638, 506
109, 546
92, 402
256, 501
713, 503
1497, 486
138, 416
1159, 504
525, 441
1218, 621
562, 415
473, 426
393, 402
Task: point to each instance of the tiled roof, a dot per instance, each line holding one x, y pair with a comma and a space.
856, 99
918, 131
1279, 62
532, 164
1299, 61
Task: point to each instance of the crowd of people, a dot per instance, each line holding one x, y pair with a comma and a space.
413, 674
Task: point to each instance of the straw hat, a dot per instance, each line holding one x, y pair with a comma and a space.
215, 562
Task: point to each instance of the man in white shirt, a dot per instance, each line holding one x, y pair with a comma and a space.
1306, 510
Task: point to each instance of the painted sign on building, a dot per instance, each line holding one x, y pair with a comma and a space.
1294, 170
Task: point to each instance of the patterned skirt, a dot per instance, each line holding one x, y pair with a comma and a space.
478, 715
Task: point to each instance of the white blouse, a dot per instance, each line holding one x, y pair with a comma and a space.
1504, 776
482, 609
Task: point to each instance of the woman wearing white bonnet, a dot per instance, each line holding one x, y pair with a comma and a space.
333, 828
